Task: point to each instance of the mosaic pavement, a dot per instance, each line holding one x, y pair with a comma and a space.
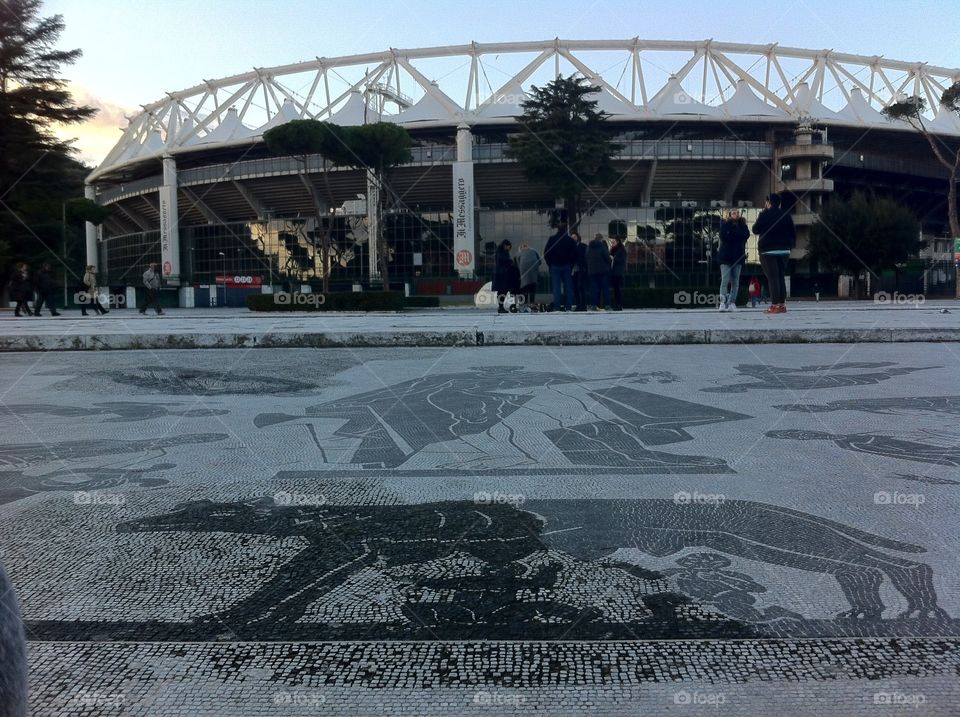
676, 530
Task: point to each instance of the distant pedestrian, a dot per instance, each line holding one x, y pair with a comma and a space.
529, 263
91, 293
503, 275
581, 276
560, 253
778, 236
732, 255
618, 271
816, 291
45, 291
21, 290
754, 290
598, 268
151, 285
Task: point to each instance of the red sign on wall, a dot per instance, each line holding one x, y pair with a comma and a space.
240, 281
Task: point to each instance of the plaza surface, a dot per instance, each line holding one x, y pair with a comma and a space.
751, 529
806, 322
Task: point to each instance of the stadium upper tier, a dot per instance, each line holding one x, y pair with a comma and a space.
483, 84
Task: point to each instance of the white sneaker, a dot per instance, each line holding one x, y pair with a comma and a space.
720, 306
731, 307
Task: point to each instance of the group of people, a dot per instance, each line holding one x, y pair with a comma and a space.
40, 290
575, 269
599, 266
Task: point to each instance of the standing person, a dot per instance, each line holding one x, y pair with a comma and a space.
503, 274
598, 268
92, 292
618, 271
732, 255
529, 265
44, 287
816, 290
560, 253
778, 236
151, 283
581, 276
754, 290
20, 289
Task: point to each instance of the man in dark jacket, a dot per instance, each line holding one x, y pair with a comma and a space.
731, 255
581, 275
598, 268
778, 236
505, 280
45, 293
618, 271
560, 253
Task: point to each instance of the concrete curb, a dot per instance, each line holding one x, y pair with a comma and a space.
369, 339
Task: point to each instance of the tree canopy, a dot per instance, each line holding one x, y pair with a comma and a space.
564, 143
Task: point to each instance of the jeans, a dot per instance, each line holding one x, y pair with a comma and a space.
617, 283
561, 278
729, 277
598, 283
580, 284
775, 267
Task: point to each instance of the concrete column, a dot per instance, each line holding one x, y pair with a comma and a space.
373, 223
91, 230
464, 218
169, 224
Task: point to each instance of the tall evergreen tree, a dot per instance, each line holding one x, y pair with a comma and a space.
37, 173
564, 143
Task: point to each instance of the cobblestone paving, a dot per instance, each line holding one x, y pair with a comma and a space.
676, 530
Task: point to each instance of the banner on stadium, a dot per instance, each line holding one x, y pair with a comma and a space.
463, 218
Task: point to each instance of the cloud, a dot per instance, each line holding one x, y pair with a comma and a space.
98, 135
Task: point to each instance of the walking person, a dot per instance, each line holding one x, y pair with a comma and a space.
560, 253
778, 236
20, 289
732, 255
45, 293
581, 276
91, 292
151, 285
503, 273
618, 270
529, 264
598, 268
753, 288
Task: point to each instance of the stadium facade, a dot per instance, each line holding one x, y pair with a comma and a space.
703, 126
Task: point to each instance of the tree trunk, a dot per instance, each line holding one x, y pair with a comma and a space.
952, 203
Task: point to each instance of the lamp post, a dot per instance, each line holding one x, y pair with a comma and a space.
223, 264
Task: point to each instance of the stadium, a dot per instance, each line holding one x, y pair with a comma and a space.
702, 126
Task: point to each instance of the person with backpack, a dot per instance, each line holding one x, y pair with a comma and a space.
732, 255
151, 285
618, 270
91, 293
529, 264
778, 236
45, 294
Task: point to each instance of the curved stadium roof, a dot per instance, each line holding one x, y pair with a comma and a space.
483, 84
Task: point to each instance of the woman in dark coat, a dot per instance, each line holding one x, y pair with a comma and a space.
21, 290
617, 271
731, 255
504, 274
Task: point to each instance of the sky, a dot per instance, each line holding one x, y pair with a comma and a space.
136, 50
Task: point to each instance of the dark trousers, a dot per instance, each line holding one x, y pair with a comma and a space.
151, 299
580, 283
600, 284
617, 283
529, 294
775, 268
44, 299
22, 305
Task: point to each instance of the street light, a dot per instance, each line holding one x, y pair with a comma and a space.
223, 264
